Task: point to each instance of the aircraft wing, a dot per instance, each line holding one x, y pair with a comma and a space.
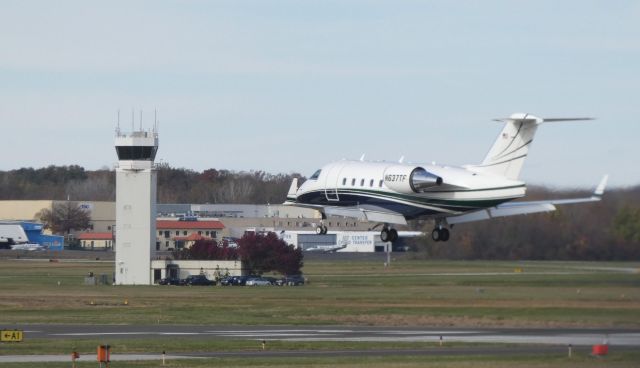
523, 208
388, 217
362, 214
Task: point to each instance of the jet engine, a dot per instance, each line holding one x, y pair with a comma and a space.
410, 179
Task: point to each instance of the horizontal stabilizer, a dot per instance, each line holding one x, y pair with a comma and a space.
528, 118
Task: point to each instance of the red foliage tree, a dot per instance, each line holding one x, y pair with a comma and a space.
207, 249
264, 253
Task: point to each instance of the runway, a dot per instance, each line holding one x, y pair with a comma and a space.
522, 341
548, 336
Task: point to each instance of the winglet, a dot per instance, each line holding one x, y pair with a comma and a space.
600, 188
293, 191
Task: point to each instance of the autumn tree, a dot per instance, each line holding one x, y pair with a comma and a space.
64, 217
264, 253
207, 249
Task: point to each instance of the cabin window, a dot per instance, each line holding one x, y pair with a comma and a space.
344, 181
380, 183
315, 175
353, 182
362, 182
371, 183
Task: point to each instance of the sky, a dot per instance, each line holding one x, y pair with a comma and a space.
287, 86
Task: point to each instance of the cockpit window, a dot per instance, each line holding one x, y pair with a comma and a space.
315, 175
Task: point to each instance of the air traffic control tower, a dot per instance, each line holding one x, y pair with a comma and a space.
136, 183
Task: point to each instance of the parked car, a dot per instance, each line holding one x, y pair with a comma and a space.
258, 281
169, 281
227, 281
200, 280
234, 280
291, 280
272, 280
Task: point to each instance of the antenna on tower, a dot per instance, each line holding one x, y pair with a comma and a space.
118, 126
155, 120
140, 120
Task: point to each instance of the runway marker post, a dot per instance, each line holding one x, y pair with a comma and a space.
440, 340
570, 350
163, 357
74, 356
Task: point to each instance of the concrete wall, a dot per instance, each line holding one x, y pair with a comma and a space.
135, 225
212, 269
22, 210
96, 244
103, 214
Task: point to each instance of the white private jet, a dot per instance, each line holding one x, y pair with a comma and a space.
392, 193
326, 248
28, 247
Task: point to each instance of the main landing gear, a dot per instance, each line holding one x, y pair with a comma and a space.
440, 234
321, 229
388, 234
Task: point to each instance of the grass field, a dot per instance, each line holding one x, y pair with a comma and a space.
357, 293
539, 361
408, 293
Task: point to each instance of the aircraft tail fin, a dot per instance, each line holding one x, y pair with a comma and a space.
508, 153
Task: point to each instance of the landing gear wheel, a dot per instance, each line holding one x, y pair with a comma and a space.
384, 235
435, 235
440, 234
388, 235
393, 235
444, 234
319, 230
324, 229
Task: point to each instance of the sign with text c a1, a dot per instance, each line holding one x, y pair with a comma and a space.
11, 335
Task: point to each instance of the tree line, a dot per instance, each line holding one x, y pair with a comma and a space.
605, 230
175, 185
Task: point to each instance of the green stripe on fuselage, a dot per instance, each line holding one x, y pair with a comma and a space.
473, 203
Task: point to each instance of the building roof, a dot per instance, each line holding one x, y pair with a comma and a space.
95, 236
186, 225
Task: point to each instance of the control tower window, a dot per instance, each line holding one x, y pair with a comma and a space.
147, 153
315, 175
